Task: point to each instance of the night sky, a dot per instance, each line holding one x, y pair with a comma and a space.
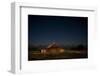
64, 30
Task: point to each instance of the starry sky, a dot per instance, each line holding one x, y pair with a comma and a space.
64, 30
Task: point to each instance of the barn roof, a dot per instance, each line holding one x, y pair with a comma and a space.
53, 45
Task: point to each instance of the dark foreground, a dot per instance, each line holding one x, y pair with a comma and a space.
69, 54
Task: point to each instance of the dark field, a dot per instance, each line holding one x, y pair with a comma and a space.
68, 54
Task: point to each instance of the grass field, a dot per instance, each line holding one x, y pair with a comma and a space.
68, 54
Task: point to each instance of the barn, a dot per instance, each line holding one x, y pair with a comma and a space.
52, 49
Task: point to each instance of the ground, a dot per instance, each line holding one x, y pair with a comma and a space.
68, 54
